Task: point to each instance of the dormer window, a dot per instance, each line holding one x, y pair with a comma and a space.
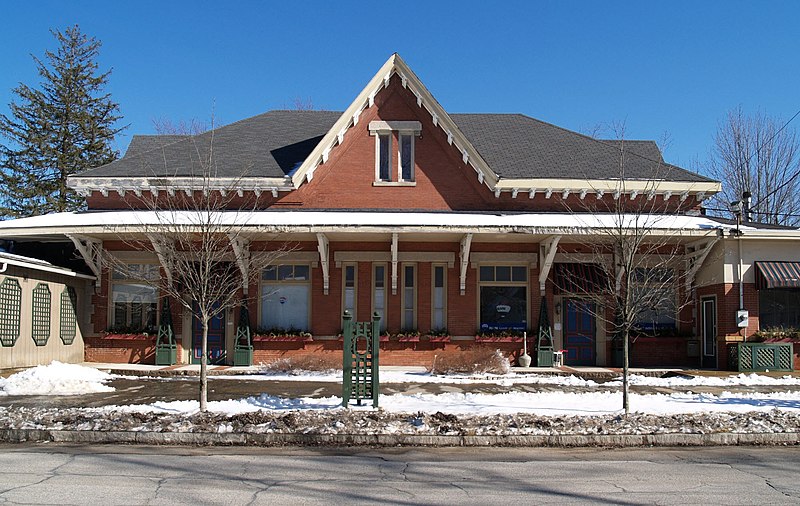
394, 151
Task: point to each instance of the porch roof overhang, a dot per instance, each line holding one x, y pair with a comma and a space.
110, 223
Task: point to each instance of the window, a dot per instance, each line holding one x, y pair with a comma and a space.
409, 298
394, 166
406, 157
503, 292
286, 297
654, 291
69, 315
379, 293
779, 307
349, 289
439, 298
10, 309
384, 157
41, 314
135, 302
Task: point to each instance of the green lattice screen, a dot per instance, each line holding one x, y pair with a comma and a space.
10, 309
69, 317
41, 314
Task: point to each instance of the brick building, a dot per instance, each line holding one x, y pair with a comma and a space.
459, 230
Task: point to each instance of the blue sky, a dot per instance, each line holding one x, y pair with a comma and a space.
663, 68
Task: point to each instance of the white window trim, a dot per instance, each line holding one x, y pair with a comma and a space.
134, 260
385, 320
354, 265
262, 282
525, 283
403, 307
400, 136
394, 129
433, 296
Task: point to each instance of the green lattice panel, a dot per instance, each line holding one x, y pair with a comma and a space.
69, 317
785, 358
41, 314
10, 309
745, 359
765, 357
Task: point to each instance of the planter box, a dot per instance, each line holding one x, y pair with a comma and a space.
166, 354
282, 338
437, 339
243, 356
129, 337
499, 339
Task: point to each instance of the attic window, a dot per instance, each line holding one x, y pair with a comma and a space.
394, 168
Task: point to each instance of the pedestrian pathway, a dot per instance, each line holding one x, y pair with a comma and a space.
217, 370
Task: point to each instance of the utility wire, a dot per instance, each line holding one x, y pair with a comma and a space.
782, 185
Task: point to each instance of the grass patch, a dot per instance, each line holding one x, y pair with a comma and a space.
318, 362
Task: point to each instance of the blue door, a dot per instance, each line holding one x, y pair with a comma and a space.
579, 333
216, 339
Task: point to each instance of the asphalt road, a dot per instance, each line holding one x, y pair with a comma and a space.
49, 474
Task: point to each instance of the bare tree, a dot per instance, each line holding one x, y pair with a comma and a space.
639, 264
756, 154
198, 232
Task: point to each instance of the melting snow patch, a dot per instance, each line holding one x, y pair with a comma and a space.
56, 378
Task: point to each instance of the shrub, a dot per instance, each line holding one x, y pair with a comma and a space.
471, 361
320, 362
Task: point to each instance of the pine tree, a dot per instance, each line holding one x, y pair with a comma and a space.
64, 126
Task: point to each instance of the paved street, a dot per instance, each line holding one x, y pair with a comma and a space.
50, 474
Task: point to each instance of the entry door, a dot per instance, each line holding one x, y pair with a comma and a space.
709, 332
216, 340
579, 333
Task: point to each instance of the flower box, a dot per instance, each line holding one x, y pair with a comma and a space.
129, 337
305, 338
498, 339
437, 339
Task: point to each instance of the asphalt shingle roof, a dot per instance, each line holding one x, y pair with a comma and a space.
275, 143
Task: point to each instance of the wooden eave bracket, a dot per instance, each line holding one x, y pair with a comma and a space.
395, 239
323, 246
466, 245
158, 247
241, 249
547, 252
695, 258
92, 252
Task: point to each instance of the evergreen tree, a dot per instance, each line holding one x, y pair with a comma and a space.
61, 128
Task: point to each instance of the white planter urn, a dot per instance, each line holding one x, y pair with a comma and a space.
524, 360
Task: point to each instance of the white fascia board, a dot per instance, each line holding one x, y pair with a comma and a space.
89, 184
751, 234
365, 99
46, 268
593, 185
127, 222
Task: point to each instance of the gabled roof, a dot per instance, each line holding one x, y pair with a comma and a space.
279, 150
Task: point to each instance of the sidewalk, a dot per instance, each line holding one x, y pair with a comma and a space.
595, 373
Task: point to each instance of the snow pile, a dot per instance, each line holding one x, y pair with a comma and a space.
56, 378
741, 379
538, 403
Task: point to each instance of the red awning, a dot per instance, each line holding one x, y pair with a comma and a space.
777, 275
578, 278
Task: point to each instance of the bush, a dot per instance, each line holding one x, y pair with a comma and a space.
471, 361
319, 362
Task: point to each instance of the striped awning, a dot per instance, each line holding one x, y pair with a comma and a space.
777, 275
578, 278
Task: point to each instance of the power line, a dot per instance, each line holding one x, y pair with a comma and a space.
782, 185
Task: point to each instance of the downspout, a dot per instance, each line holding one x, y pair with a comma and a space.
741, 268
3, 268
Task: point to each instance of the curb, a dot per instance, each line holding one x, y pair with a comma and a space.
291, 439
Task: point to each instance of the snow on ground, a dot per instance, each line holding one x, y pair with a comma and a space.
394, 376
56, 378
538, 403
